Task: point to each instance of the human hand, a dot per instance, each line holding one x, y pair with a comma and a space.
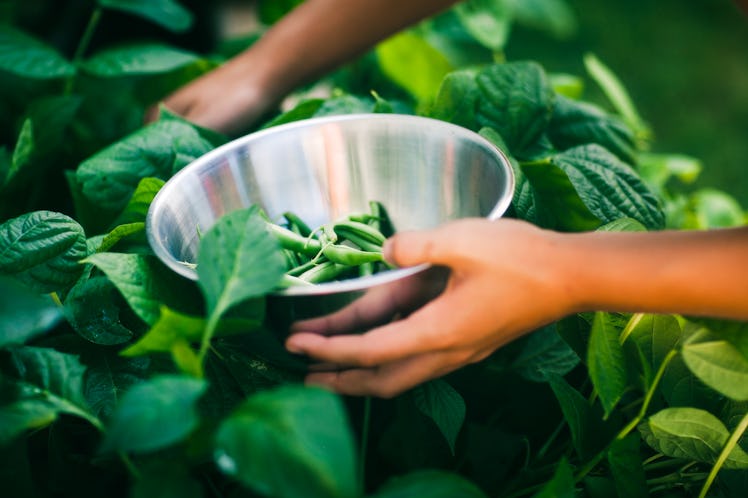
228, 99
503, 284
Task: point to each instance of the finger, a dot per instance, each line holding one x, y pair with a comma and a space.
389, 380
378, 305
441, 246
420, 333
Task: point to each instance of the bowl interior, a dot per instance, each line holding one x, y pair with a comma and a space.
424, 171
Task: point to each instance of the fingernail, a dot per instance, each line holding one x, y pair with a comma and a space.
294, 348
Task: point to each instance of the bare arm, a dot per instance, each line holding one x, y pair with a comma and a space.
510, 277
316, 37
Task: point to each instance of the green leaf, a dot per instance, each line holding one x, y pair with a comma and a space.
622, 225
616, 93
627, 467
608, 187
711, 208
561, 484
654, 336
271, 11
169, 14
555, 17
412, 63
428, 484
39, 384
546, 193
239, 259
109, 376
657, 169
144, 282
691, 433
441, 403
457, 99
488, 21
290, 442
91, 308
137, 59
303, 110
42, 250
24, 314
109, 178
579, 123
517, 101
606, 362
119, 233
544, 352
23, 151
720, 366
584, 424
27, 57
137, 207
137, 424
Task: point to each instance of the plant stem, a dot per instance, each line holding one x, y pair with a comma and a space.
364, 444
729, 446
635, 421
83, 44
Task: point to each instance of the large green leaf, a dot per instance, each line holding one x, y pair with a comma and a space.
654, 336
609, 188
412, 63
92, 309
544, 352
169, 14
138, 59
144, 282
457, 99
720, 366
517, 101
42, 249
239, 259
39, 384
154, 414
691, 433
606, 362
25, 56
23, 313
579, 123
587, 430
441, 403
109, 178
136, 209
546, 192
428, 484
290, 442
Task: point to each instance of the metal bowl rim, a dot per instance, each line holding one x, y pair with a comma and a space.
350, 285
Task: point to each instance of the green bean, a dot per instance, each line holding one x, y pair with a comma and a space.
293, 241
323, 272
362, 243
350, 256
296, 224
371, 234
298, 270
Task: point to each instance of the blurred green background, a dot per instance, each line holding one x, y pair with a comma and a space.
685, 64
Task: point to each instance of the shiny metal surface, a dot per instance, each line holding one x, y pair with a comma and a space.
424, 171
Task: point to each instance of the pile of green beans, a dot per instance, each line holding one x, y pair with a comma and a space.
344, 248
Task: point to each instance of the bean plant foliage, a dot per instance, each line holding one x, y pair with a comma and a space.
119, 378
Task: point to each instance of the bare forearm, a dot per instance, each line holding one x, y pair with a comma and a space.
321, 34
688, 272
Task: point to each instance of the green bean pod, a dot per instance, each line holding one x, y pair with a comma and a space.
323, 272
293, 241
368, 232
350, 256
362, 243
297, 224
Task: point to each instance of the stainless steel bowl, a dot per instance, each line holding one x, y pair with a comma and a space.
424, 171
